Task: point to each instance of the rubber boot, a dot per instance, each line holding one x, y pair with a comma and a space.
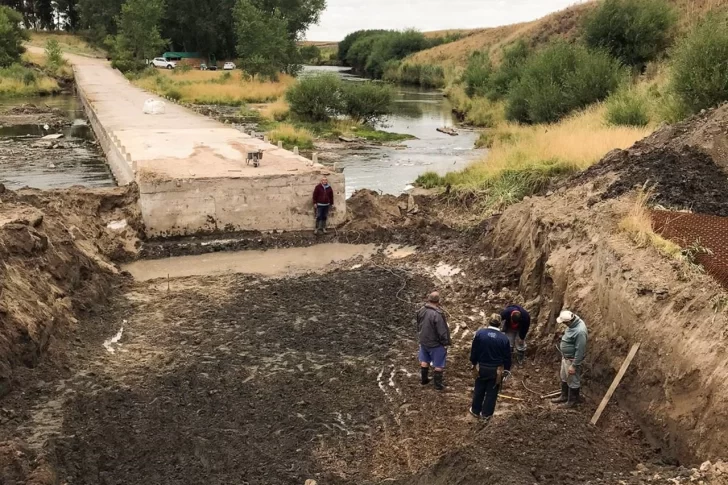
323, 226
424, 371
564, 397
520, 356
573, 398
439, 386
318, 227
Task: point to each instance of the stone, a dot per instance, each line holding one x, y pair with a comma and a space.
706, 466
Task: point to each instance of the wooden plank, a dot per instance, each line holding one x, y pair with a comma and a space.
615, 383
510, 397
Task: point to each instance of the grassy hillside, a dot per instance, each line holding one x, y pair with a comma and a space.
564, 24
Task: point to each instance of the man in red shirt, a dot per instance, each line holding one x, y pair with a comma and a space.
323, 200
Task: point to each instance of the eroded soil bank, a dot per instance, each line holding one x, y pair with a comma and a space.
244, 377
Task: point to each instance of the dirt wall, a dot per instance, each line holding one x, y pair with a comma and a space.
56, 249
572, 256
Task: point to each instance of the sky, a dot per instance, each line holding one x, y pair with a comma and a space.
344, 16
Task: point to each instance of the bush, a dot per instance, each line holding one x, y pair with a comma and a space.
560, 79
425, 75
174, 94
12, 36
633, 31
54, 55
699, 77
371, 53
627, 108
349, 41
316, 98
477, 74
509, 70
366, 102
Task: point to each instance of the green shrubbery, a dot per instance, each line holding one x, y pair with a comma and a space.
425, 75
561, 79
372, 52
481, 78
316, 98
366, 102
627, 107
12, 36
699, 77
633, 31
319, 98
54, 56
477, 74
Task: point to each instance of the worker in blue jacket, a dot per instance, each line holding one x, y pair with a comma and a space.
515, 322
490, 355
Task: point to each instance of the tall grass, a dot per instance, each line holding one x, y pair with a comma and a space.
511, 170
628, 107
291, 136
213, 87
638, 225
17, 80
276, 111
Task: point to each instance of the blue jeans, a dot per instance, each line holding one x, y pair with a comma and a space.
322, 212
433, 355
486, 390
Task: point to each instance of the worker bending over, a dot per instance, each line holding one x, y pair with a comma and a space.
490, 355
573, 349
515, 324
434, 337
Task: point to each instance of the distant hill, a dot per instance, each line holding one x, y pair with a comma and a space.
564, 24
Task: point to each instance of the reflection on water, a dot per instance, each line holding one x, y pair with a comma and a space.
27, 160
417, 112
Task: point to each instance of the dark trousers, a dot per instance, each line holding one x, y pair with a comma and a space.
486, 390
322, 212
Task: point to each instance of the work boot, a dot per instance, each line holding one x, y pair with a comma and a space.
564, 397
424, 371
520, 356
439, 386
318, 226
323, 226
573, 399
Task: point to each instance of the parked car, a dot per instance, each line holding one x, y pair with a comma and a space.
203, 67
229, 66
212, 67
163, 63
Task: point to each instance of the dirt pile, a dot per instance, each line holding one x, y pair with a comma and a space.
30, 114
56, 248
685, 164
369, 211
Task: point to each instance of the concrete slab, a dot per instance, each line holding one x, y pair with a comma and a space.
192, 170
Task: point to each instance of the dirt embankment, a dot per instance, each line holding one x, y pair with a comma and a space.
573, 255
56, 248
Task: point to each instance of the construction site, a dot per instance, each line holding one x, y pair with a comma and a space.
280, 357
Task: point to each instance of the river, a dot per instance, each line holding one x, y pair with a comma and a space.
28, 160
417, 112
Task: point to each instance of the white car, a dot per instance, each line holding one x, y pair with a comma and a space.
163, 63
229, 66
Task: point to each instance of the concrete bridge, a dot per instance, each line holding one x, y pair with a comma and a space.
191, 170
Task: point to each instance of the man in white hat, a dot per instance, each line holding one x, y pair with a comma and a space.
573, 350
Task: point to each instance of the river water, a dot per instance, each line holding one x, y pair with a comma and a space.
417, 112
73, 159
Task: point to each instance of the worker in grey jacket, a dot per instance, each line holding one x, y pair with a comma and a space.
573, 349
434, 338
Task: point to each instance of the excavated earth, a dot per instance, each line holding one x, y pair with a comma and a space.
292, 375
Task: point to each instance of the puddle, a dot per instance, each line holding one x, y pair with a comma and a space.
396, 251
444, 271
273, 262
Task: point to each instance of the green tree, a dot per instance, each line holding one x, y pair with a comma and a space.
560, 79
509, 70
54, 55
316, 98
310, 54
478, 73
350, 39
138, 38
699, 76
633, 31
366, 102
12, 36
98, 18
264, 46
